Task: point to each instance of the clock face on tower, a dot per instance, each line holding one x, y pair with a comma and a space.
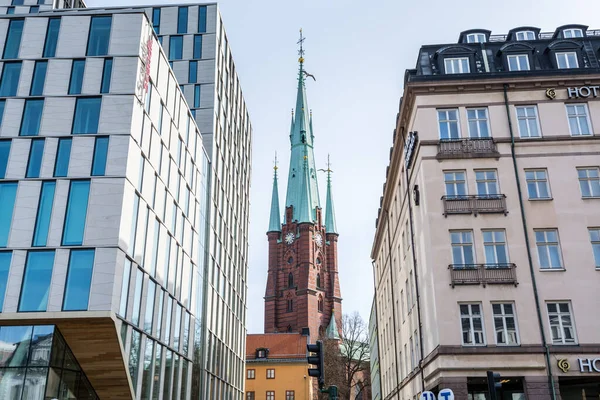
289, 238
318, 239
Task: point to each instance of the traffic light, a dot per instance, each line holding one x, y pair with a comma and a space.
317, 360
494, 383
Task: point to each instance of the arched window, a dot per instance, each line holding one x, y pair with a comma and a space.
318, 280
290, 305
290, 280
320, 304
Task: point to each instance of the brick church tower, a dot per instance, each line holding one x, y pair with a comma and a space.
303, 289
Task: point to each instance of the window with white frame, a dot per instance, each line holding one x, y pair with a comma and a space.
270, 373
462, 248
537, 183
527, 118
525, 35
456, 184
478, 122
566, 59
270, 395
458, 65
595, 239
561, 323
476, 38
579, 121
518, 62
505, 324
487, 183
251, 374
494, 244
412, 353
572, 33
448, 124
471, 320
589, 182
548, 247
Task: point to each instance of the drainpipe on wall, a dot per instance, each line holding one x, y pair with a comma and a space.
529, 257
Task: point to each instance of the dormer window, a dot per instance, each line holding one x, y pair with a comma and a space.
459, 65
476, 38
525, 35
518, 62
262, 353
567, 59
572, 33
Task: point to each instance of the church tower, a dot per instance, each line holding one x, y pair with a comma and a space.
303, 288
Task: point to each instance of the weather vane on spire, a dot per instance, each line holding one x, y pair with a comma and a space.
328, 170
301, 50
275, 167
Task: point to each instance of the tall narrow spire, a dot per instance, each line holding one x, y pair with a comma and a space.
330, 226
275, 219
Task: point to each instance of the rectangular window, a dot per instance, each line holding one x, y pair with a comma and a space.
471, 320
487, 183
462, 248
156, 20
566, 60
87, 115
250, 374
196, 96
202, 19
537, 183
193, 72
595, 239
518, 62
149, 314
505, 324
51, 37
176, 48
44, 212
13, 39
548, 247
589, 182
63, 154
10, 79
456, 185
137, 297
99, 36
77, 205
2, 104
525, 35
34, 9
10, 10
448, 124
77, 70
527, 119
36, 152
494, 245
572, 33
39, 78
475, 38
148, 98
289, 395
5, 259
4, 154
250, 396
197, 47
79, 280
270, 395
125, 288
100, 153
579, 121
8, 192
106, 75
32, 117
562, 327
478, 123
17, 2
182, 20
459, 65
36, 281
270, 373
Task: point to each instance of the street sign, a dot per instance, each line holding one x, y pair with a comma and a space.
427, 396
446, 394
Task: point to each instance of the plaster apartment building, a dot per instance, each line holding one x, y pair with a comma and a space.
487, 250
123, 226
374, 354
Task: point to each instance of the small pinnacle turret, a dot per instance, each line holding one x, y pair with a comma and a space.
275, 219
330, 226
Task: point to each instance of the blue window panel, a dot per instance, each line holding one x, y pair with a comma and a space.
34, 10
176, 48
10, 79
99, 36
42, 222
193, 73
77, 205
106, 75
182, 20
63, 154
4, 153
2, 103
13, 38
51, 37
87, 115
32, 117
156, 20
160, 40
196, 96
36, 152
17, 2
8, 192
36, 281
77, 70
148, 99
10, 10
137, 297
100, 152
198, 47
39, 78
5, 258
79, 280
202, 19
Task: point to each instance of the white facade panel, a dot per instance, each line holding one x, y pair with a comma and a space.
57, 119
32, 41
92, 76
82, 150
59, 280
17, 159
73, 35
15, 279
116, 115
104, 212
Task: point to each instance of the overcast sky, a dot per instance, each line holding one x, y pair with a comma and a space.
358, 52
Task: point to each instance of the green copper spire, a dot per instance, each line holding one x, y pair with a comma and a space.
332, 331
302, 190
330, 226
275, 221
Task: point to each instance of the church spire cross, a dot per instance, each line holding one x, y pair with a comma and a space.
301, 49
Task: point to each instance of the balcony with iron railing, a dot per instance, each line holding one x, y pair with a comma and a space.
477, 204
477, 274
467, 148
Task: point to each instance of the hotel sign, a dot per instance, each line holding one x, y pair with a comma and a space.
585, 364
581, 92
409, 147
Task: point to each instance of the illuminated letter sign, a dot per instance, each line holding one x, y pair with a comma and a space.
582, 92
